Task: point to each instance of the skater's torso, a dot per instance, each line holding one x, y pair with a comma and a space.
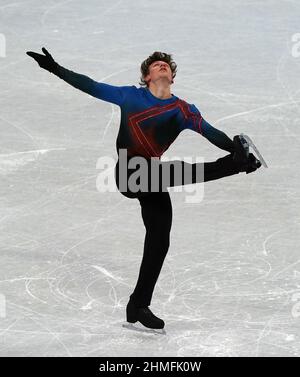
149, 125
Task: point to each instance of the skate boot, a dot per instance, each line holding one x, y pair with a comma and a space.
144, 315
245, 161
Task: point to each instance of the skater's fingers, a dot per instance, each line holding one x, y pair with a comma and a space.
46, 52
254, 163
33, 55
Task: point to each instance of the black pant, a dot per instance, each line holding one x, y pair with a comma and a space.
156, 209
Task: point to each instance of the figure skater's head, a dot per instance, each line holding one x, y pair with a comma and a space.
159, 65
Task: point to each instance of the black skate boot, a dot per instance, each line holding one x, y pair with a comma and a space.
144, 316
245, 161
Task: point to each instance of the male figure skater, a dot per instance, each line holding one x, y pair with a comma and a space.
151, 119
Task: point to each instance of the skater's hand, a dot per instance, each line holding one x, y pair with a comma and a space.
253, 164
44, 61
245, 161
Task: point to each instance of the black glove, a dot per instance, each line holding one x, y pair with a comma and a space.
253, 164
244, 161
45, 61
241, 150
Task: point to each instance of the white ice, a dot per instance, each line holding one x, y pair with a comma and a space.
230, 284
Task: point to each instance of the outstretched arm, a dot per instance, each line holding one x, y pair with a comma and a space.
105, 92
216, 137
100, 90
196, 122
240, 156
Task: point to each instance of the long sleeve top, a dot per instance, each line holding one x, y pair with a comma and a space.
149, 125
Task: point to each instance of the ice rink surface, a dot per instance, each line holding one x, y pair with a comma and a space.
70, 255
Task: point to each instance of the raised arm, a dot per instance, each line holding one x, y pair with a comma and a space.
100, 90
105, 92
197, 123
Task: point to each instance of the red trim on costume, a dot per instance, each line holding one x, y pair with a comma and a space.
135, 120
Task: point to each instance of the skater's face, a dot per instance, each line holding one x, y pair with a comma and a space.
159, 70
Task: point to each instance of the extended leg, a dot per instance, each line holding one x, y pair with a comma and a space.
177, 173
180, 173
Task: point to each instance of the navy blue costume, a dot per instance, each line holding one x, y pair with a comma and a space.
149, 125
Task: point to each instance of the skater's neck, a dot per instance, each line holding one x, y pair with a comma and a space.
161, 90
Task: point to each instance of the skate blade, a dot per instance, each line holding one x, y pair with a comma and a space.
253, 146
141, 328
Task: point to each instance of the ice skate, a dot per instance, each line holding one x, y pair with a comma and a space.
250, 143
140, 328
143, 315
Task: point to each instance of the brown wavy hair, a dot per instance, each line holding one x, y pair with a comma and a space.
155, 57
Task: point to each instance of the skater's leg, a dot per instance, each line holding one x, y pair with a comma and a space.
156, 211
184, 173
223, 167
178, 173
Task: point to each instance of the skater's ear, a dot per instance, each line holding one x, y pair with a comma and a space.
147, 79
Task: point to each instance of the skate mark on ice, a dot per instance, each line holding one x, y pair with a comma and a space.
264, 250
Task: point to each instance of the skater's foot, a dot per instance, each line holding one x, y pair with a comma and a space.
144, 315
244, 161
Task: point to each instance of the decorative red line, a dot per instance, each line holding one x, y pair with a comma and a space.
136, 119
155, 110
200, 124
150, 114
136, 130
